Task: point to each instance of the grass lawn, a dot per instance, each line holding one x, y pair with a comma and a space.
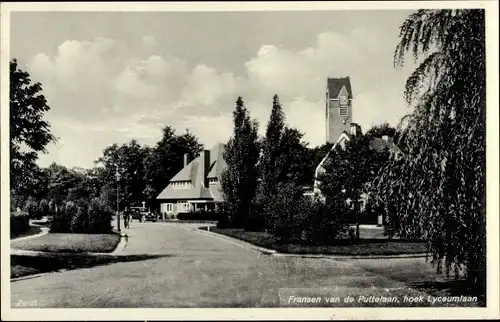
24, 265
70, 243
360, 247
32, 230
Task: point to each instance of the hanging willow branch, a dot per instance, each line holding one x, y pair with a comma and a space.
436, 192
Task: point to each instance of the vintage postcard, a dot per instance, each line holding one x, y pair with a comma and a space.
249, 160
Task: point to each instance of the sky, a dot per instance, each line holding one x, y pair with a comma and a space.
110, 77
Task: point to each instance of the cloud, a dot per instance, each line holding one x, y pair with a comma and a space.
104, 91
205, 86
149, 41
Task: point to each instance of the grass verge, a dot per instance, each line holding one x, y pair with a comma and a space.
32, 230
25, 265
362, 247
69, 243
188, 221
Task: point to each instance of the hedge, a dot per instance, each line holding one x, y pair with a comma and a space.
19, 223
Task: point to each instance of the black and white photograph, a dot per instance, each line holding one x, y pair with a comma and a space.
265, 156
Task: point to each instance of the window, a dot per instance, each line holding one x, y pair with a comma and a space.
181, 184
167, 207
343, 100
344, 105
212, 180
183, 206
344, 112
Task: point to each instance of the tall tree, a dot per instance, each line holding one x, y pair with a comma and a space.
29, 132
440, 184
283, 159
269, 167
293, 159
66, 184
239, 180
350, 171
380, 130
167, 158
128, 159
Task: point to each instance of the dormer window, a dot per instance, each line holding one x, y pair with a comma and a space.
181, 185
212, 180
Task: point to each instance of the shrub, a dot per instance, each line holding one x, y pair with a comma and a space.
62, 220
327, 221
52, 208
169, 216
92, 217
99, 217
255, 221
224, 216
199, 215
19, 223
16, 201
80, 219
287, 211
43, 208
31, 207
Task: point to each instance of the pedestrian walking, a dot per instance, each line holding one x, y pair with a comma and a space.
126, 217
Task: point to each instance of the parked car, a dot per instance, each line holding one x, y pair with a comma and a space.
142, 214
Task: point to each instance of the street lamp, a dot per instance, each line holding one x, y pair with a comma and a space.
117, 199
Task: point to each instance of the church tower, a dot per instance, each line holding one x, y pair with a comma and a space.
338, 107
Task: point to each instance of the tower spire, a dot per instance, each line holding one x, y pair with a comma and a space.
338, 107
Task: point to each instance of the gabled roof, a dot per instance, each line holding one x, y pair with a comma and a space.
334, 86
377, 144
216, 192
190, 193
194, 172
188, 173
217, 163
343, 136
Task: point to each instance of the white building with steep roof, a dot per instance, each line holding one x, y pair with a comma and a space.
197, 186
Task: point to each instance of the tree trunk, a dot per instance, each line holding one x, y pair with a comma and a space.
357, 209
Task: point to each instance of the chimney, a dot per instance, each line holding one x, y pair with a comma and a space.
354, 129
185, 160
206, 166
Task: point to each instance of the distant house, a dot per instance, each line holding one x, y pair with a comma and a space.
197, 186
377, 144
341, 142
340, 129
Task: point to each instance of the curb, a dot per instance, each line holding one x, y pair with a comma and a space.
118, 250
275, 253
340, 257
27, 277
237, 241
121, 245
122, 233
178, 221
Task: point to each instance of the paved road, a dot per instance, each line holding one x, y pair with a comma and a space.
185, 268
